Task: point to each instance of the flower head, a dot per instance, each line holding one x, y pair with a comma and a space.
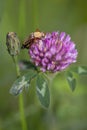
53, 52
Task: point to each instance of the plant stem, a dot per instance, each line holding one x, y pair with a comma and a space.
22, 114
21, 104
15, 59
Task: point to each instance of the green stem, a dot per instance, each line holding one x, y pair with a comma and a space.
21, 104
15, 59
22, 114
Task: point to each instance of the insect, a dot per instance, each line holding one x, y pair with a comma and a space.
32, 38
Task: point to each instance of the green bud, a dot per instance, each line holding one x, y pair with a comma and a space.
13, 43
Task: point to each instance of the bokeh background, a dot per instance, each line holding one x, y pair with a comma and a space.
68, 110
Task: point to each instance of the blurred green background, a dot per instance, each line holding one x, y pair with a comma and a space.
68, 110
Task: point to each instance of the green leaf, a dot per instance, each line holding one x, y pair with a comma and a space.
71, 81
43, 90
81, 70
23, 64
22, 82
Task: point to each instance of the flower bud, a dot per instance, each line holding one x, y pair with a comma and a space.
13, 43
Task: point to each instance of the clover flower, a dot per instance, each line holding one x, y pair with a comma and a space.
53, 52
